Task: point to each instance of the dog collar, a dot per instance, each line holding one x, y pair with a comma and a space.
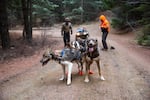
93, 54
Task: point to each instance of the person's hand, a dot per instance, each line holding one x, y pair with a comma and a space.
104, 29
99, 27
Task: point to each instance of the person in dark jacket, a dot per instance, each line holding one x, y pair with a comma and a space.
66, 30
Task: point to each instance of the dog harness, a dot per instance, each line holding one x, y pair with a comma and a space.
93, 53
70, 54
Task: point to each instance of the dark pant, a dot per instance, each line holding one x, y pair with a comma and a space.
66, 38
104, 36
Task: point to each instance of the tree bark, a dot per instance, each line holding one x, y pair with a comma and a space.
82, 12
30, 18
4, 34
27, 16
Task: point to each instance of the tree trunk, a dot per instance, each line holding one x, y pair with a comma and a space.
82, 11
27, 16
30, 18
4, 34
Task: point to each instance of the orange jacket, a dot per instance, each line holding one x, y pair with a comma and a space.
104, 22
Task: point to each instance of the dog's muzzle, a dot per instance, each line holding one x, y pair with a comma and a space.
44, 61
91, 47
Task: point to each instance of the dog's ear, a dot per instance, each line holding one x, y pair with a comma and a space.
88, 40
96, 40
71, 42
48, 51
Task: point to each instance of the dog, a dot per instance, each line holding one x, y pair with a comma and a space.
75, 45
66, 59
81, 45
92, 54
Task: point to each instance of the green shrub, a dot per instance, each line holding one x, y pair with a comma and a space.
117, 23
146, 29
145, 40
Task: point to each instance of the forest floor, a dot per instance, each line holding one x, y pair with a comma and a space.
126, 69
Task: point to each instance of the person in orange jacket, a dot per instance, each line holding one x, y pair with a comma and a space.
105, 28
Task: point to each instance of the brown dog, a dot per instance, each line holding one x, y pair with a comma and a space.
92, 55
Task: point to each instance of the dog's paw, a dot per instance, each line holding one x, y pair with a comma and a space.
62, 78
90, 72
68, 82
86, 80
80, 73
102, 78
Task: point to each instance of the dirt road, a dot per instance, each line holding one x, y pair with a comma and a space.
126, 70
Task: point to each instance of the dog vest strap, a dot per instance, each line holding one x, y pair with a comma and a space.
93, 54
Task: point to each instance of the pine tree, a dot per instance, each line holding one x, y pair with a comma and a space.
4, 34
